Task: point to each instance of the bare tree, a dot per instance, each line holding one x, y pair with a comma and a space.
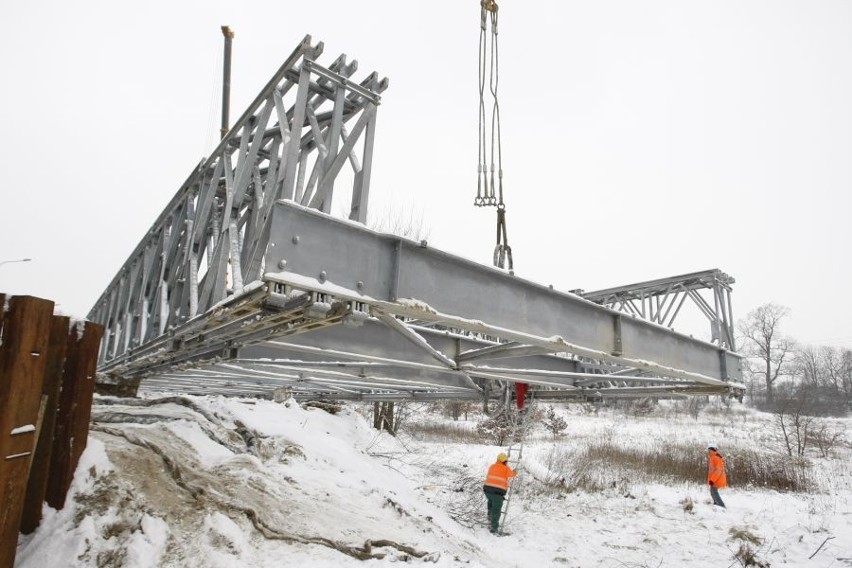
832, 359
384, 418
800, 427
456, 408
402, 223
765, 343
809, 365
795, 418
827, 437
822, 370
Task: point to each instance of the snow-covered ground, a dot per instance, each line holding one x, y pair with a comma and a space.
216, 482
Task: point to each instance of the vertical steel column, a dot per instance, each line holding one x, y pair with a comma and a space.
293, 148
361, 191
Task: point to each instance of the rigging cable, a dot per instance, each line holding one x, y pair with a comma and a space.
486, 192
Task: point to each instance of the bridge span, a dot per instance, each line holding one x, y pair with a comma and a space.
246, 284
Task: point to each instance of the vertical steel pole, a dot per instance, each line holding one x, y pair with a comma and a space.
226, 82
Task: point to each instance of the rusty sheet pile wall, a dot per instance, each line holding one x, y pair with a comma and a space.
47, 379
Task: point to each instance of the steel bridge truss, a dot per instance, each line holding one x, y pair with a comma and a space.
661, 301
210, 240
246, 285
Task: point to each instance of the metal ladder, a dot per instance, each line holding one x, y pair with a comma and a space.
521, 426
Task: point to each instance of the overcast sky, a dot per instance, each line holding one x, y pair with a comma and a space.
641, 139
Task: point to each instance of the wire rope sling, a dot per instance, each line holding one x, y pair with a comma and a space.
487, 195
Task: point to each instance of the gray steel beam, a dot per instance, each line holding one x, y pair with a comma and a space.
402, 277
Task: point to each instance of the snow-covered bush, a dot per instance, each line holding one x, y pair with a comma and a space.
553, 422
496, 430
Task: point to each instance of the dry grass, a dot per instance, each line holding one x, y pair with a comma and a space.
747, 557
447, 432
745, 535
606, 465
770, 470
609, 461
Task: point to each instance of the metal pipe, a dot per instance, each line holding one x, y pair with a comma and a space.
226, 80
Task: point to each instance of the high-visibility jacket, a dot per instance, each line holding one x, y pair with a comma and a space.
498, 475
716, 469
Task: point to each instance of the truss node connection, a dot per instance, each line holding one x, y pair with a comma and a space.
246, 285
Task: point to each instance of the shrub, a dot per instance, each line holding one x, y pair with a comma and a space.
496, 430
508, 425
554, 423
827, 437
747, 556
467, 507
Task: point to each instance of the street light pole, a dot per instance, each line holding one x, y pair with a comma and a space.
11, 261
226, 80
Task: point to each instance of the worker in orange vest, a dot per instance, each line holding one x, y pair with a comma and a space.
716, 477
495, 488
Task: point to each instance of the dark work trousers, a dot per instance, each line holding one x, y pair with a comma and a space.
495, 507
714, 493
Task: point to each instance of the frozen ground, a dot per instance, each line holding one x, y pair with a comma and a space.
215, 482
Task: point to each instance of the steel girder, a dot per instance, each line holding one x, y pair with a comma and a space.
246, 286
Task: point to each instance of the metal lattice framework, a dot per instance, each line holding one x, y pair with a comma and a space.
661, 301
292, 143
246, 285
